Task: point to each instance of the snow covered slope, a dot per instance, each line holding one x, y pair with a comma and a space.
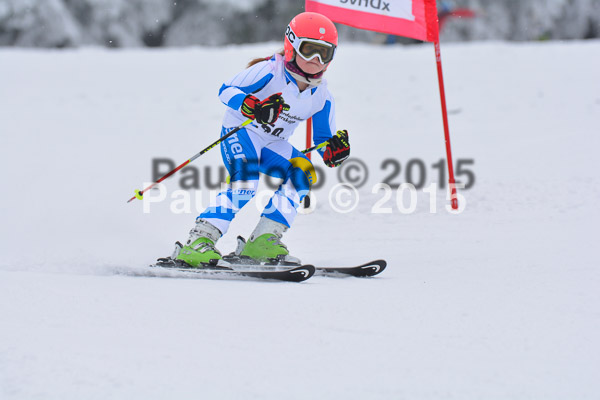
500, 301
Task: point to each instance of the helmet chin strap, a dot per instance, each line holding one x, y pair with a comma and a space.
298, 74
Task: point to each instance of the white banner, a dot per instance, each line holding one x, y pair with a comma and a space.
390, 8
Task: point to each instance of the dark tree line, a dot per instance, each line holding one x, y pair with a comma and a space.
154, 23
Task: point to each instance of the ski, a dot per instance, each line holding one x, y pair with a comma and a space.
368, 269
371, 268
297, 273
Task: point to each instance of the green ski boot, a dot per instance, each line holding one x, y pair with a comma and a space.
200, 247
265, 242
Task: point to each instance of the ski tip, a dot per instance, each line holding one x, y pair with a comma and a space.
302, 273
374, 267
371, 268
297, 274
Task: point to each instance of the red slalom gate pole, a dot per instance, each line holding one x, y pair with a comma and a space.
452, 183
308, 134
308, 143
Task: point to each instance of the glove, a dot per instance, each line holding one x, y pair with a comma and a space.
266, 111
337, 150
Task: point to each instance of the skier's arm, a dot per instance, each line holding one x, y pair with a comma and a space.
324, 123
250, 80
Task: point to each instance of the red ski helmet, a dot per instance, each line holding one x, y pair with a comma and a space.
311, 35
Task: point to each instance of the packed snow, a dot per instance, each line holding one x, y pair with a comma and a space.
499, 301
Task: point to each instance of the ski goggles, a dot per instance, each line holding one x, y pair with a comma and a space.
311, 48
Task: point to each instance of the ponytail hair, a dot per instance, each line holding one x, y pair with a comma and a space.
260, 59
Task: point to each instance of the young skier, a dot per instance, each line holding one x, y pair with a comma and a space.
277, 93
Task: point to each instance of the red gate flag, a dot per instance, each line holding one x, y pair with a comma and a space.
416, 19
